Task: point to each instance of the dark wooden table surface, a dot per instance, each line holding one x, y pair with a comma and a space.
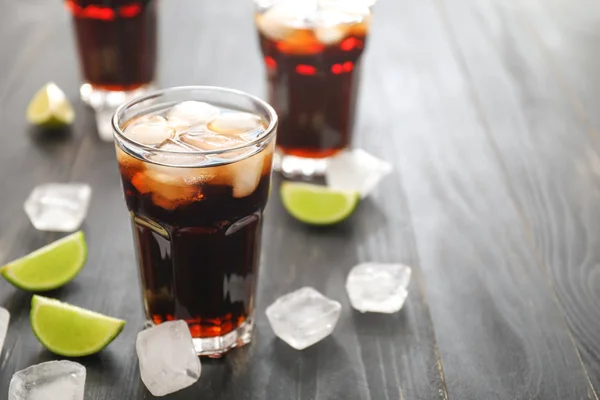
488, 110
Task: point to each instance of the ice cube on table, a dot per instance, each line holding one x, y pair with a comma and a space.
190, 113
303, 317
4, 320
64, 380
356, 170
168, 361
375, 287
58, 207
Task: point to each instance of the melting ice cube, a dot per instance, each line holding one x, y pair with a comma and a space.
205, 140
59, 207
304, 317
191, 113
356, 170
64, 380
378, 287
236, 123
168, 361
151, 134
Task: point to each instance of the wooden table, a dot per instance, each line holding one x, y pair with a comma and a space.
488, 111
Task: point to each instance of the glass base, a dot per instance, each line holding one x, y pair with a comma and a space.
105, 102
293, 167
100, 99
216, 347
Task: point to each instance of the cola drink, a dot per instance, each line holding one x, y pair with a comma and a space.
116, 40
312, 52
196, 182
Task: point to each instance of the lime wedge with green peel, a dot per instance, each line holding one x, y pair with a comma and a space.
50, 267
318, 205
50, 108
71, 331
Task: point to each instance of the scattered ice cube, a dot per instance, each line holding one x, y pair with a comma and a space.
64, 380
168, 361
4, 320
150, 134
192, 113
59, 207
236, 123
374, 287
356, 170
304, 317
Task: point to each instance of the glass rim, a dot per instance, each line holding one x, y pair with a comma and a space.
120, 135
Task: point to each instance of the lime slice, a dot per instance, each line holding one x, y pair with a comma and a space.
50, 108
50, 267
318, 205
71, 331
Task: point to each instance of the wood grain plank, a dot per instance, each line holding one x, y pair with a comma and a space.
567, 34
500, 332
549, 148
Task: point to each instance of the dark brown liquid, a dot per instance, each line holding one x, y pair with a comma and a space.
198, 261
313, 90
116, 41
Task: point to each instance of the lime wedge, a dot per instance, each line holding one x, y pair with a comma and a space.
50, 267
71, 331
318, 205
50, 108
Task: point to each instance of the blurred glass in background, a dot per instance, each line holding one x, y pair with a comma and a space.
117, 48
